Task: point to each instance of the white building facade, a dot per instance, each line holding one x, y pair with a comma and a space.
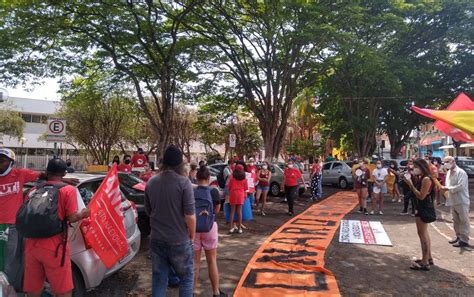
35, 113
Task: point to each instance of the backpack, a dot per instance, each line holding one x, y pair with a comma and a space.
38, 217
204, 209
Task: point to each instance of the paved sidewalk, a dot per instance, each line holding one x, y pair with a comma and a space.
363, 270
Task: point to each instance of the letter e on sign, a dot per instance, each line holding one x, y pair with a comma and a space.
56, 129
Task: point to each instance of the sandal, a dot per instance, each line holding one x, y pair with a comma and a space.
430, 261
420, 266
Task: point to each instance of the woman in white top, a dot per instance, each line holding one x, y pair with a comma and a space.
380, 175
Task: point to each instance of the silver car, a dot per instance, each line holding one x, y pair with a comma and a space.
88, 271
337, 173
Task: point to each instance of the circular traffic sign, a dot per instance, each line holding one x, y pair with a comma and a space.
56, 127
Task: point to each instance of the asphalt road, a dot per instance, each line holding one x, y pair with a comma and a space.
359, 269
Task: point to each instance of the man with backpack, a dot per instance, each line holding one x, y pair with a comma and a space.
11, 198
43, 220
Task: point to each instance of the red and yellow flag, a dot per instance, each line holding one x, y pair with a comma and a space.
463, 120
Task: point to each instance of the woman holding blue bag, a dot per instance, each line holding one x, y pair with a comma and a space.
207, 231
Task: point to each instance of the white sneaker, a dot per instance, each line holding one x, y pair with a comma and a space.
372, 212
380, 213
232, 230
240, 231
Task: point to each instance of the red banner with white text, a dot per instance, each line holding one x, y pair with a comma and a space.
104, 230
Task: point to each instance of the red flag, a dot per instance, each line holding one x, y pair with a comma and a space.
104, 230
462, 102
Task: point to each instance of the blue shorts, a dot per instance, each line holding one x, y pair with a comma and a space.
263, 188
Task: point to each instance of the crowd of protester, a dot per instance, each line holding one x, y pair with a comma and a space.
182, 207
425, 184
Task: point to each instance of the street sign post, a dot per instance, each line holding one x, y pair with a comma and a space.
232, 140
316, 139
56, 130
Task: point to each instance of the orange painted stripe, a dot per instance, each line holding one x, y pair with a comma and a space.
291, 261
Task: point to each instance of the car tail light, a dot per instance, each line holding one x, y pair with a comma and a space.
135, 211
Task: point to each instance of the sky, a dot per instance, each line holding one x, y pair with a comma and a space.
47, 90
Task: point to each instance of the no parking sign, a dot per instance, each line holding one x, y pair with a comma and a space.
56, 130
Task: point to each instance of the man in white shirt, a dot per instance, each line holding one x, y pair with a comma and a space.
458, 199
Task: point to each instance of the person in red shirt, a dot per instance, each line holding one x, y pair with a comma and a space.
139, 159
238, 188
11, 198
42, 262
125, 166
291, 179
251, 167
147, 174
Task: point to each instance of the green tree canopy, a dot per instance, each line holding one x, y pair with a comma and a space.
270, 50
96, 120
11, 123
140, 43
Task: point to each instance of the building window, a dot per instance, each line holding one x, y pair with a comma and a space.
35, 118
26, 117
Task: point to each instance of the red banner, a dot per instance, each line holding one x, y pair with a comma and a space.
104, 231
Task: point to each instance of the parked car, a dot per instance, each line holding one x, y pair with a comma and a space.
277, 179
88, 271
466, 165
337, 173
217, 169
134, 189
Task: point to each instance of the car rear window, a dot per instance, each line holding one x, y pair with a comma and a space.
129, 180
87, 190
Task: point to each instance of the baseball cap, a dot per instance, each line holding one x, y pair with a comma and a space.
7, 153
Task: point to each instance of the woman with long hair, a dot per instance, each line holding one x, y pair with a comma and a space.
207, 240
361, 183
424, 191
263, 186
393, 170
315, 177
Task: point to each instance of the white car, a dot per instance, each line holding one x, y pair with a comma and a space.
88, 271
